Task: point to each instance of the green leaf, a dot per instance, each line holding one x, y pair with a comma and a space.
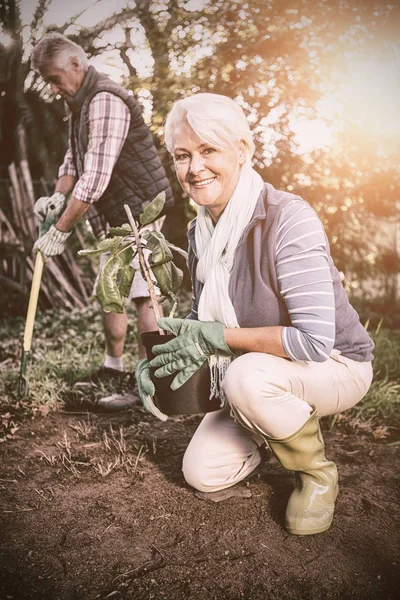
153, 210
176, 278
126, 255
169, 278
158, 245
126, 279
107, 291
107, 245
90, 252
163, 278
125, 229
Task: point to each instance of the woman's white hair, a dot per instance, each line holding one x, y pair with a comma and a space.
57, 50
216, 119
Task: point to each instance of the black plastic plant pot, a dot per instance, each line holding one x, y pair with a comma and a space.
192, 397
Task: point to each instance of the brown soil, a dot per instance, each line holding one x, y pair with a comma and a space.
69, 533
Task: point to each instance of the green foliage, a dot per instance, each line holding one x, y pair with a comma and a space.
124, 230
152, 210
159, 248
107, 245
69, 345
378, 412
116, 274
387, 352
169, 278
279, 62
381, 405
378, 313
126, 278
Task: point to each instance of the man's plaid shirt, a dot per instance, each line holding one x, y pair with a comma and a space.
109, 120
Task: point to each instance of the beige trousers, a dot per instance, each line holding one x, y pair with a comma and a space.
267, 396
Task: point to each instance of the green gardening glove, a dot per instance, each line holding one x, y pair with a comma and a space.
146, 389
195, 342
52, 242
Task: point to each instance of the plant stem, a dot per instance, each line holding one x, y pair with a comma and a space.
144, 266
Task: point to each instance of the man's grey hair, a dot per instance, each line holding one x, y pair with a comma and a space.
216, 119
57, 50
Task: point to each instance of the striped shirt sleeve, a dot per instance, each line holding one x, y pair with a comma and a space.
67, 168
305, 283
109, 120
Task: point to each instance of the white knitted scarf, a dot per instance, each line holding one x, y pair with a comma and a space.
216, 247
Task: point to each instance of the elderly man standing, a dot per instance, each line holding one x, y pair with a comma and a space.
111, 161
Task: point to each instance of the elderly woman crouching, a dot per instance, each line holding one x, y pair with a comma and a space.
284, 344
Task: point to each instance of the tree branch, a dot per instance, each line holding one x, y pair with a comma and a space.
145, 269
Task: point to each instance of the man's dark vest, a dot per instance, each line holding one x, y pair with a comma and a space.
138, 175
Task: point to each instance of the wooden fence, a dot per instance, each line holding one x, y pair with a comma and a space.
67, 282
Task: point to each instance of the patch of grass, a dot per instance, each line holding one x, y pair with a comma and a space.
387, 352
379, 411
378, 312
68, 346
381, 404
382, 401
107, 451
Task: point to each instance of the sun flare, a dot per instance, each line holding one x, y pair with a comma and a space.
362, 100
5, 39
371, 95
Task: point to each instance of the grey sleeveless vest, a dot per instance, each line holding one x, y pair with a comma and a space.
253, 285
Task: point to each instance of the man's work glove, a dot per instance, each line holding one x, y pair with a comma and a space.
51, 243
195, 342
54, 203
146, 389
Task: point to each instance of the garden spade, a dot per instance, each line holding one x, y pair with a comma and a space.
32, 306
30, 321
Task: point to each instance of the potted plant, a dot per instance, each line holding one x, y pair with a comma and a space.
155, 255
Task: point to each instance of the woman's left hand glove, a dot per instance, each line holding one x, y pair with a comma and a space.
195, 342
146, 389
51, 243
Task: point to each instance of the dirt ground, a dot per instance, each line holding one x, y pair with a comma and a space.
94, 506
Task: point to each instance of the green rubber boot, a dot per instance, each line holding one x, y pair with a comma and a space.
311, 505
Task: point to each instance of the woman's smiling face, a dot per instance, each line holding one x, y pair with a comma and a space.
207, 174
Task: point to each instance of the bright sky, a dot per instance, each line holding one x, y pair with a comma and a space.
366, 94
93, 11
60, 11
